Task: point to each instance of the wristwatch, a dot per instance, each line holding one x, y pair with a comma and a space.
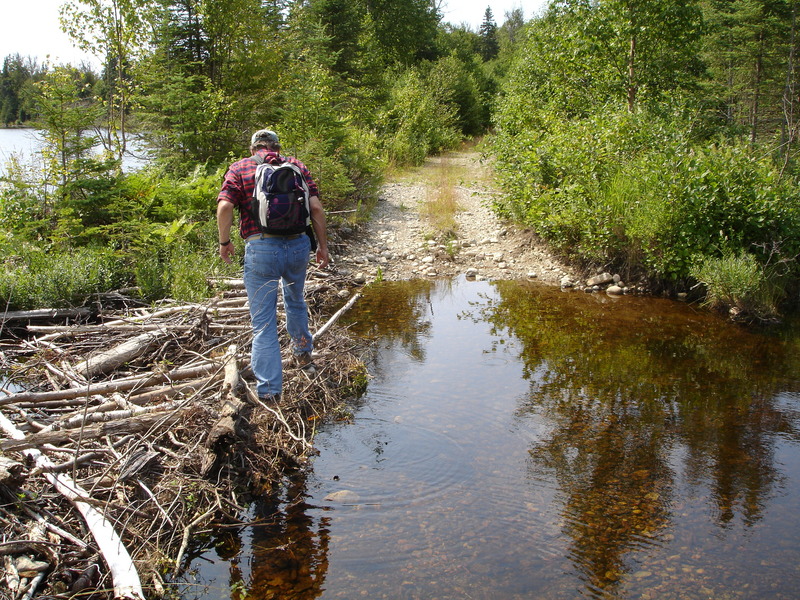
228, 243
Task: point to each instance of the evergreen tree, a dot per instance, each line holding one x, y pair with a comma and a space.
748, 49
16, 75
489, 45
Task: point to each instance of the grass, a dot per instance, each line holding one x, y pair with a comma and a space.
440, 206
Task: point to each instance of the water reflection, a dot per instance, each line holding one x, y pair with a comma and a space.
627, 392
521, 442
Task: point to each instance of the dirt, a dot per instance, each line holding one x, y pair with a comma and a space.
400, 243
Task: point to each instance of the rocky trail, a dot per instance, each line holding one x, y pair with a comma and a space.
400, 243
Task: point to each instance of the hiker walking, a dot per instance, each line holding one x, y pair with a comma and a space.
277, 249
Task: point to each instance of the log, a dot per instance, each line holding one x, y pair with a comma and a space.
337, 315
119, 427
168, 391
46, 313
119, 385
225, 427
125, 578
107, 361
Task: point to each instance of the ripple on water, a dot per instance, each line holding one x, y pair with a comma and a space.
387, 463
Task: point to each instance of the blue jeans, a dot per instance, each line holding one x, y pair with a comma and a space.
268, 261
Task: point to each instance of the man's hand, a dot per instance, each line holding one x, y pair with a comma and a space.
323, 258
227, 252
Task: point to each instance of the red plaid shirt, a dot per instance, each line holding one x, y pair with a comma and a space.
241, 179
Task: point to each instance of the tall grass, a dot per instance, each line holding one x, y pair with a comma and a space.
440, 206
740, 283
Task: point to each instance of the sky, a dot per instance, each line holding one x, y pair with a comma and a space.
471, 11
31, 27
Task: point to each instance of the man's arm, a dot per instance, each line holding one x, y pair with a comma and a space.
320, 231
224, 223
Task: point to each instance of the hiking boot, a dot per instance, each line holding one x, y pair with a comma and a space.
270, 399
305, 362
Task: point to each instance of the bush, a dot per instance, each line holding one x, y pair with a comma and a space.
639, 191
416, 123
739, 282
47, 279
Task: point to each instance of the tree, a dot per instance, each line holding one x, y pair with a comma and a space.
18, 73
489, 45
748, 48
214, 71
116, 31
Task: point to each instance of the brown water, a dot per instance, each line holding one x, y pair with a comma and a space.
517, 441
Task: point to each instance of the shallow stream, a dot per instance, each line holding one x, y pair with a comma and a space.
516, 441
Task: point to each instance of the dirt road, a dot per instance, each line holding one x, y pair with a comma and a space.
399, 242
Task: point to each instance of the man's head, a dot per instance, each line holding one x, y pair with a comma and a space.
265, 138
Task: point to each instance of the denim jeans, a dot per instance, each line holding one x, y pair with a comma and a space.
268, 261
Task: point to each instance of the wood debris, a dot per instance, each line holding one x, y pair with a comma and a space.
128, 433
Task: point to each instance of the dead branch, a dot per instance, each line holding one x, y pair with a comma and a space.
105, 362
126, 579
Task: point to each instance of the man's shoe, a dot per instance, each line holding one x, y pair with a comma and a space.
305, 362
270, 399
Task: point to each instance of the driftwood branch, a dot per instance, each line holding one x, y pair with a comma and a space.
337, 315
119, 385
125, 577
120, 427
105, 362
46, 313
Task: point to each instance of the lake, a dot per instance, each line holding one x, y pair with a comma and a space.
26, 142
520, 442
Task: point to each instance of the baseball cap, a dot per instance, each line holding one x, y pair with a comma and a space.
264, 135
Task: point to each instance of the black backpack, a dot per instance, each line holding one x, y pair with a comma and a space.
280, 198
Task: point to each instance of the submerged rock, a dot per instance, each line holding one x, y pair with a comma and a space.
343, 497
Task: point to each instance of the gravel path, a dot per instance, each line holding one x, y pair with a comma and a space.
399, 243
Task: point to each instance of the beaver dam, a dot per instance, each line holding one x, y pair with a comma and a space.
128, 432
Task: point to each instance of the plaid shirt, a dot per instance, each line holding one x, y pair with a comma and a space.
241, 179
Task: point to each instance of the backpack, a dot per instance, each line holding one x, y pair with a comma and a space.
280, 198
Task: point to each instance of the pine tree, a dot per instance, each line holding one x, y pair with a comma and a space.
489, 45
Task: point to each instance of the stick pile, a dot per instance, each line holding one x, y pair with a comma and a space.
135, 431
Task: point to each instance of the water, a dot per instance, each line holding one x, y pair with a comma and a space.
26, 143
521, 442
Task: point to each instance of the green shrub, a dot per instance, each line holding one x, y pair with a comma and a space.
641, 192
40, 278
739, 282
417, 122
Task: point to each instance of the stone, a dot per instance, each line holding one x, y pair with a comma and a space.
343, 294
614, 290
602, 279
471, 272
360, 278
532, 275
343, 496
427, 260
566, 282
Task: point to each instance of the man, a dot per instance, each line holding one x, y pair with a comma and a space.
269, 259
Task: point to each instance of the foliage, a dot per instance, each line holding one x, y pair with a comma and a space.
418, 121
641, 192
739, 281
35, 277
